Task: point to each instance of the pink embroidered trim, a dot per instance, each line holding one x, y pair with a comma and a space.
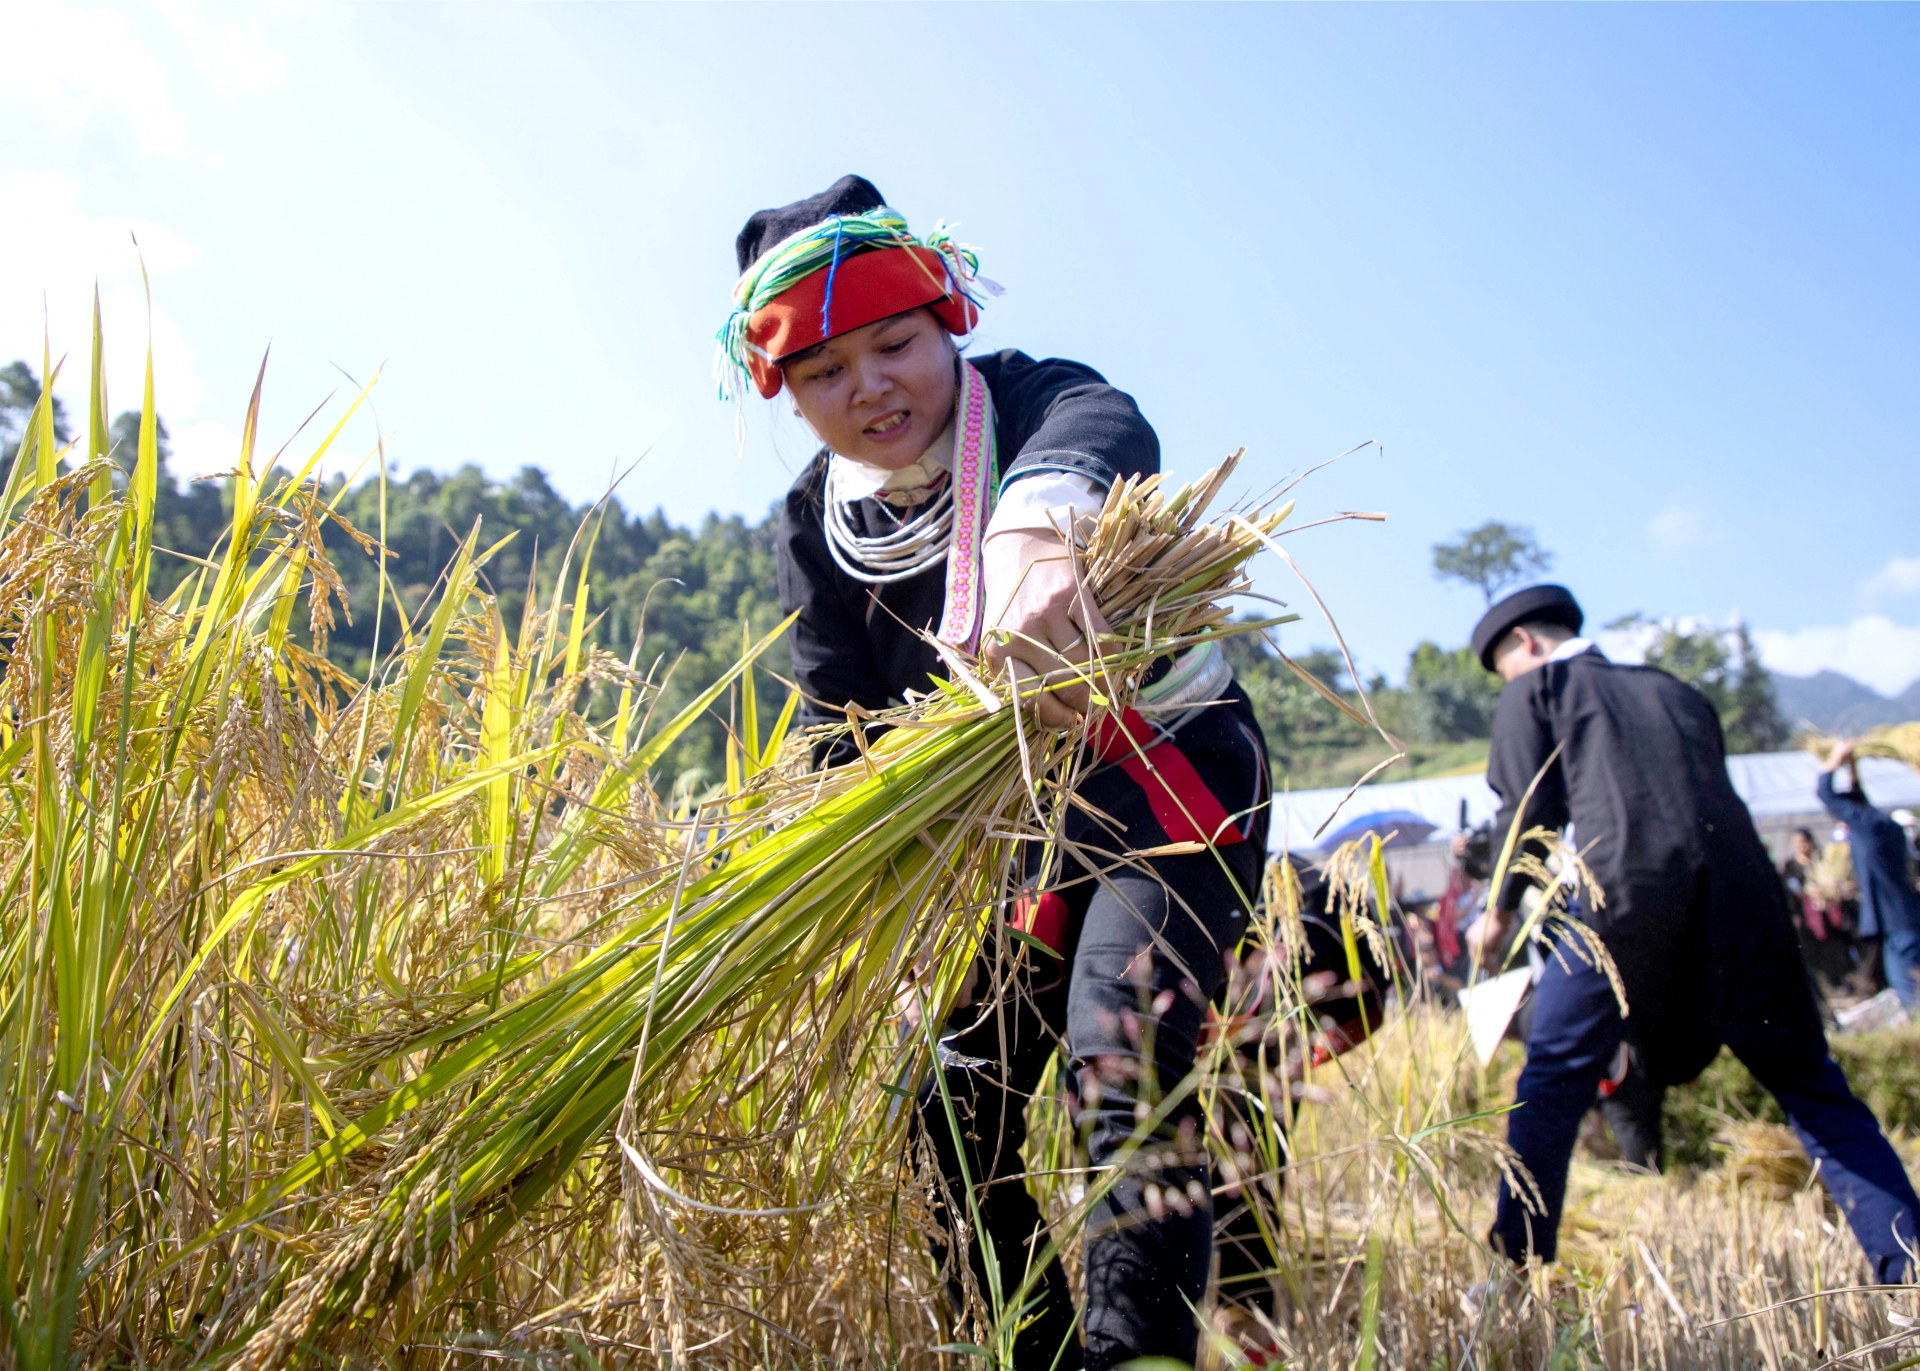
975, 466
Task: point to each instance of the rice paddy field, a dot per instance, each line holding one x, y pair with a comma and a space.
420, 1021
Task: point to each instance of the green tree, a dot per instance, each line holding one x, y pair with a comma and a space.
19, 393
1449, 696
684, 592
1752, 719
186, 520
1723, 665
1491, 558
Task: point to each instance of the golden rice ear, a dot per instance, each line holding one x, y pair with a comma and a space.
790, 909
402, 1014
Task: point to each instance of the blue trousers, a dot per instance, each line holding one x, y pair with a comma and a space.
1577, 1029
1899, 959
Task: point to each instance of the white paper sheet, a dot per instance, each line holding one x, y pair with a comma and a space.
1490, 1007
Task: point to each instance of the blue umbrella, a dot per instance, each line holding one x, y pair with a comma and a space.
1396, 827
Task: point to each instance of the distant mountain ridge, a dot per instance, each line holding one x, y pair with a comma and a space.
1834, 703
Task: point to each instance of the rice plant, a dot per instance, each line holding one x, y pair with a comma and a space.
402, 1021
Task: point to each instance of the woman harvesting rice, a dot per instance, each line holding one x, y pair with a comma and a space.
936, 504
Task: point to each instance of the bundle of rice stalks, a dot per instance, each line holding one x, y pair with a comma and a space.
1900, 742
749, 990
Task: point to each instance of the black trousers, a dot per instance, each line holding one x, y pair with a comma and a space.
1143, 954
1633, 1112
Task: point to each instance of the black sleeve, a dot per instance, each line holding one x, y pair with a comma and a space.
1055, 415
832, 655
1522, 742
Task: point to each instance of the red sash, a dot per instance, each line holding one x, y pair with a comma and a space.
1180, 800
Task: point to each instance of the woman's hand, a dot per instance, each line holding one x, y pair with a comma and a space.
1038, 619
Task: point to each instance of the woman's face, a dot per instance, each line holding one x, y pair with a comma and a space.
1803, 847
879, 394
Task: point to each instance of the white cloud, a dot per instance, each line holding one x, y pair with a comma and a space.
1674, 528
1626, 644
203, 449
71, 64
52, 253
231, 58
1900, 576
1872, 648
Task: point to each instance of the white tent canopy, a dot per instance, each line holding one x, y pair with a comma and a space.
1775, 785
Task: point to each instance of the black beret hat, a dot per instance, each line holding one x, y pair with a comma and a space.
848, 195
1554, 604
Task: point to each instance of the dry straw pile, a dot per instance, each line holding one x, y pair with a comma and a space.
400, 1022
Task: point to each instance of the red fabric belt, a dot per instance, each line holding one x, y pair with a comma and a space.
1180, 800
1045, 917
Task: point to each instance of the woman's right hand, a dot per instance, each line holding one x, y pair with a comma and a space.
1040, 621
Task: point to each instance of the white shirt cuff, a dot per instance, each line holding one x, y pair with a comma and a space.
1046, 500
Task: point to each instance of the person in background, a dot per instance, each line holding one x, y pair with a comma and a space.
1633, 761
1910, 825
1838, 886
1889, 905
1826, 943
1462, 901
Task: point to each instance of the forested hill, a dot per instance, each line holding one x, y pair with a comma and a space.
691, 590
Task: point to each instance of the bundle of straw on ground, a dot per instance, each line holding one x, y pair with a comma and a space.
1377, 1202
397, 1021
1832, 880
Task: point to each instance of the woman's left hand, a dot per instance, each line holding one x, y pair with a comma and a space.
1039, 619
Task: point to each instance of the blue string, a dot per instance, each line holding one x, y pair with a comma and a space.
826, 305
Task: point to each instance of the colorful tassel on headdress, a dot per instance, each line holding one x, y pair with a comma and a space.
824, 247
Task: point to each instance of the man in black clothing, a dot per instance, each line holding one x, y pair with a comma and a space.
1632, 762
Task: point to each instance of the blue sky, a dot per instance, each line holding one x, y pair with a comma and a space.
1641, 278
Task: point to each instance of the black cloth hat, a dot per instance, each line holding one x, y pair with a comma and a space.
848, 195
1554, 604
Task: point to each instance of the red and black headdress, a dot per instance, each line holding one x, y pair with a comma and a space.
832, 263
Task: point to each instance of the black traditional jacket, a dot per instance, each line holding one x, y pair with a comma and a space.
858, 643
1690, 907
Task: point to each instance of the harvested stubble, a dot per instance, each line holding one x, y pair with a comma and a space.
1685, 1272
256, 911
